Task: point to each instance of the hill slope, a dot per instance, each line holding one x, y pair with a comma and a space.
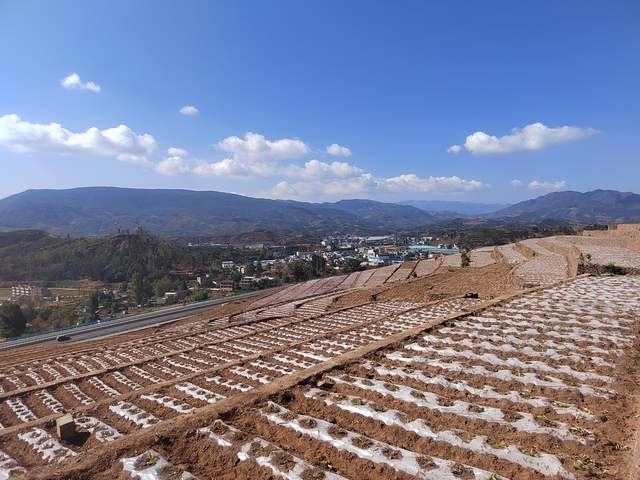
463, 208
33, 255
104, 210
597, 206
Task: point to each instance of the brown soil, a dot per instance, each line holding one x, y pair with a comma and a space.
488, 282
177, 439
11, 357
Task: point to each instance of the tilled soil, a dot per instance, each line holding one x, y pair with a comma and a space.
487, 282
539, 386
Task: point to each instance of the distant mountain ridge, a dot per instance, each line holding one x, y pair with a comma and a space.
104, 210
462, 208
597, 206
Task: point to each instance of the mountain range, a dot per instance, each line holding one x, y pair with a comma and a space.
453, 207
597, 206
105, 210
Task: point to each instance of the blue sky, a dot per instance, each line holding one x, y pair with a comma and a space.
420, 99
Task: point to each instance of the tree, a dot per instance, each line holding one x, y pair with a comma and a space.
464, 260
249, 269
92, 306
165, 284
351, 265
299, 270
29, 312
136, 289
12, 322
201, 294
318, 265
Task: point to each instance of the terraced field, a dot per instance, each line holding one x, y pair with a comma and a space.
603, 254
551, 259
511, 254
481, 257
544, 266
540, 384
131, 385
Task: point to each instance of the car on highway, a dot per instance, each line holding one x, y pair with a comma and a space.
63, 338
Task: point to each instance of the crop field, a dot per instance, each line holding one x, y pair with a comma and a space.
116, 392
536, 384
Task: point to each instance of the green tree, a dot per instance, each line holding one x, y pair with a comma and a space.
92, 306
464, 260
299, 270
28, 311
165, 284
201, 294
136, 289
351, 265
12, 322
249, 269
318, 265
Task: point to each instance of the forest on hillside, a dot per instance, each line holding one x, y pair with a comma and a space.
31, 255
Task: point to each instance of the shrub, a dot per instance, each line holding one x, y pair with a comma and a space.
612, 269
12, 321
200, 295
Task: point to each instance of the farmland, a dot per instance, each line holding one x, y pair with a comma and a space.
333, 379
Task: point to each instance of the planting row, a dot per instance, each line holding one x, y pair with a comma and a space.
462, 403
129, 411
85, 363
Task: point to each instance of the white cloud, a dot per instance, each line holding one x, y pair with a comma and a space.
172, 166
175, 163
315, 169
189, 110
549, 186
365, 183
532, 137
229, 168
454, 149
338, 150
255, 147
312, 189
283, 189
177, 152
120, 141
254, 156
412, 183
515, 183
73, 82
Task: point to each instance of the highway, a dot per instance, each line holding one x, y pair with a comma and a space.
127, 323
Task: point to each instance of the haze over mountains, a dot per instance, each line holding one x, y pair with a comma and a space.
463, 208
104, 210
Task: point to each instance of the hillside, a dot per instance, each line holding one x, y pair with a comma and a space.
38, 256
105, 210
461, 208
380, 215
597, 206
